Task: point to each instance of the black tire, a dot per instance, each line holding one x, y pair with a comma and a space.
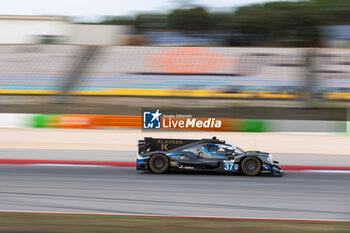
251, 166
159, 163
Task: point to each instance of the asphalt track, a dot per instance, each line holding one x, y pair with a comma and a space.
297, 195
120, 155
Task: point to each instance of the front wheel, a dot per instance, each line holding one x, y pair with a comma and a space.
251, 166
159, 163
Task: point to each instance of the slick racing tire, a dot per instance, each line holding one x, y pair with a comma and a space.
159, 163
251, 166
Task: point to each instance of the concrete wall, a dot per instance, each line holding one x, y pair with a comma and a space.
338, 43
83, 121
88, 34
36, 29
27, 30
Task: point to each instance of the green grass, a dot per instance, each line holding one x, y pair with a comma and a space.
58, 223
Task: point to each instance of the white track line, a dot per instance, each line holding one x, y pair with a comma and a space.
178, 216
87, 165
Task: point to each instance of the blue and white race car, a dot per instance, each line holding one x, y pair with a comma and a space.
162, 155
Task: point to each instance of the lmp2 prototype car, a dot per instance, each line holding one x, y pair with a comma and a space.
162, 155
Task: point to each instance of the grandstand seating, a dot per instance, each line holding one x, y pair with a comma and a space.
36, 69
174, 71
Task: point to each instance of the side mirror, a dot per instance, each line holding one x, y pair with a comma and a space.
200, 154
229, 152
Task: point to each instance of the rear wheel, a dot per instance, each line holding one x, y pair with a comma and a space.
251, 166
159, 163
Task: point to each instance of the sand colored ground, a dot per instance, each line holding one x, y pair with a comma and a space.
127, 140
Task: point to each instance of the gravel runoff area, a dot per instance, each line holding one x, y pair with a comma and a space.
31, 222
126, 140
120, 145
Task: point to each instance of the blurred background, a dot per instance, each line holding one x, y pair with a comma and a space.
280, 50
75, 77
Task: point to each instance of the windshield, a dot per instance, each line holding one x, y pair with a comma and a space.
238, 150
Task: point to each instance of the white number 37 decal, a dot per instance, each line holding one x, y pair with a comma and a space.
229, 166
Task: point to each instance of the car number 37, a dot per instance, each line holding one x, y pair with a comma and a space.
229, 166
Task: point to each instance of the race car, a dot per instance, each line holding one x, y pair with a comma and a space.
161, 155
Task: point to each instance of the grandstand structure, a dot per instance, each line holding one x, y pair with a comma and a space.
172, 71
36, 69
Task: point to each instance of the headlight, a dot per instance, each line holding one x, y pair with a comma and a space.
270, 159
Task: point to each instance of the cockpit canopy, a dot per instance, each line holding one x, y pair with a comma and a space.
224, 149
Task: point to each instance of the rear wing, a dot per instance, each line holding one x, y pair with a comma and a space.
164, 144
